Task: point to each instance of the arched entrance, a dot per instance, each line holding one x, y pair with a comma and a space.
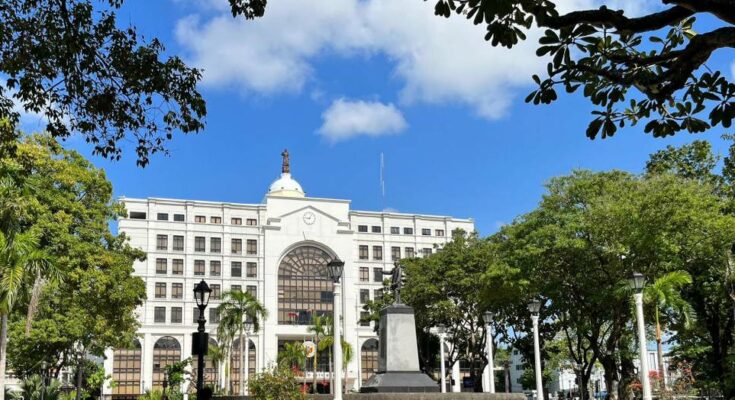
368, 359
304, 286
235, 360
166, 351
126, 371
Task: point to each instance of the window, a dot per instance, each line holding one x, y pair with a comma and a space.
364, 321
196, 314
200, 218
410, 253
236, 221
252, 290
377, 274
364, 274
125, 371
177, 290
178, 244
303, 283
198, 267
252, 270
215, 268
377, 252
176, 315
363, 252
159, 315
215, 220
439, 232
161, 266
236, 245
364, 296
177, 266
408, 231
394, 230
426, 232
377, 294
215, 245
179, 217
137, 215
236, 288
162, 242
395, 253
252, 246
162, 217
216, 292
200, 243
252, 222
376, 229
213, 316
426, 251
236, 269
160, 290
362, 228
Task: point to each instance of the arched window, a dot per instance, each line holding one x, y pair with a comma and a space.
166, 351
211, 369
304, 286
235, 360
126, 371
369, 359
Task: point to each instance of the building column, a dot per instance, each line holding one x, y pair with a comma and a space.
108, 365
146, 368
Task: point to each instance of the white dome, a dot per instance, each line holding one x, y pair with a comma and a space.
286, 186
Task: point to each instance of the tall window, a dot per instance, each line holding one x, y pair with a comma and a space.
236, 269
236, 363
363, 252
364, 274
178, 244
214, 315
161, 242
369, 359
377, 274
304, 286
177, 266
200, 219
364, 321
252, 290
410, 253
395, 253
215, 268
252, 246
236, 221
216, 292
377, 252
200, 244
176, 315
252, 271
160, 290
166, 351
177, 291
161, 266
236, 246
126, 368
159, 315
364, 296
215, 245
199, 267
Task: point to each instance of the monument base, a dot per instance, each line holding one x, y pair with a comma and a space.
399, 382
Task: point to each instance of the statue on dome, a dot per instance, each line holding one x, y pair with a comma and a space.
286, 167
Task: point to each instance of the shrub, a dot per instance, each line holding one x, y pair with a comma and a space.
275, 384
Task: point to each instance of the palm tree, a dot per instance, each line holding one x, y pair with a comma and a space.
347, 355
32, 387
320, 328
236, 309
664, 296
292, 354
217, 354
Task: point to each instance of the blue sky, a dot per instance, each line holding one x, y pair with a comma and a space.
340, 82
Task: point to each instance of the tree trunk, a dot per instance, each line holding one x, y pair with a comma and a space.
80, 372
242, 364
610, 371
33, 303
3, 354
660, 354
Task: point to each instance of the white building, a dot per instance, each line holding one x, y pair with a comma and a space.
276, 250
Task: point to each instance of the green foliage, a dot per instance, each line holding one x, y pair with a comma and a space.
32, 387
275, 384
292, 356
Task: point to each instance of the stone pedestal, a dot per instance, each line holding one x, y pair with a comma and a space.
398, 356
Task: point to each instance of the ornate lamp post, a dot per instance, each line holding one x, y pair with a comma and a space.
637, 282
335, 268
245, 364
489, 385
201, 339
442, 331
534, 306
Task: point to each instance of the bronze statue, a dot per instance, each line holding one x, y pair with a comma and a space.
286, 167
396, 281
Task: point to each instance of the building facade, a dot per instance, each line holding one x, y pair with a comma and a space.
277, 251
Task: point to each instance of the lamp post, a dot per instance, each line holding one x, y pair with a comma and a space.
534, 306
201, 338
442, 331
637, 282
245, 364
489, 385
335, 268
44, 366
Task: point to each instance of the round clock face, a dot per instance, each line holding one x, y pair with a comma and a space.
309, 217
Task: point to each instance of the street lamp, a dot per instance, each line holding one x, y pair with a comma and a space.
637, 281
442, 331
335, 268
200, 343
245, 358
489, 385
534, 306
44, 366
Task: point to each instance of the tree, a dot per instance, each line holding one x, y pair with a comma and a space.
237, 309
664, 296
292, 356
319, 328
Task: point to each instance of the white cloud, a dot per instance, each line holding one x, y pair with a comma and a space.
345, 119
